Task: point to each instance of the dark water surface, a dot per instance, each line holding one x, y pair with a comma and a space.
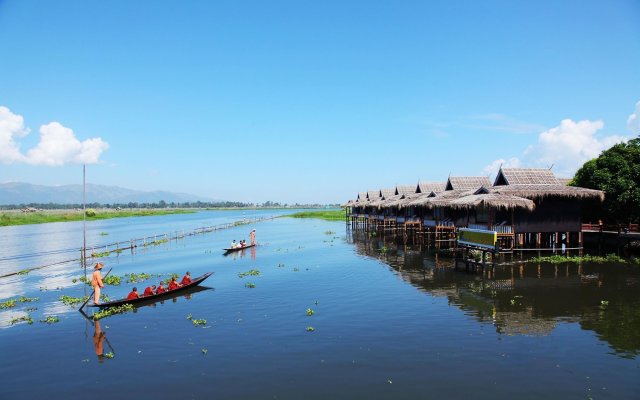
390, 322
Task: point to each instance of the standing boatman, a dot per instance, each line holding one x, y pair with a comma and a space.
252, 235
96, 282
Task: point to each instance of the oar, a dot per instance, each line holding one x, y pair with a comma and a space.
87, 300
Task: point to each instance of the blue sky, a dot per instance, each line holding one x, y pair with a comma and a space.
310, 101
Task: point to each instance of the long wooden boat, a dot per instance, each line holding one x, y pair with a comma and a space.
231, 250
169, 293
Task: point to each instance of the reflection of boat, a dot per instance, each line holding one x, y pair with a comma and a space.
227, 251
192, 287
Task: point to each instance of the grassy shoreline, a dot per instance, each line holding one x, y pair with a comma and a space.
327, 215
43, 217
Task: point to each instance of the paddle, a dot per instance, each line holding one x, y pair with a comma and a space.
87, 300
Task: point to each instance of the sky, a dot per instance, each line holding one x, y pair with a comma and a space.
310, 101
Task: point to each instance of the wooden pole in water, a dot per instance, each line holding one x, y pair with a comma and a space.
84, 224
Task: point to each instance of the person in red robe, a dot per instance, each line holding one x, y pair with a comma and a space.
173, 284
160, 289
186, 279
149, 291
133, 294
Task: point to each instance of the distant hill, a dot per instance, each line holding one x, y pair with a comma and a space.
25, 193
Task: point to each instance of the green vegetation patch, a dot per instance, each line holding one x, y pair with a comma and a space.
43, 217
113, 310
558, 259
72, 301
113, 280
249, 285
327, 215
51, 319
24, 318
253, 272
8, 304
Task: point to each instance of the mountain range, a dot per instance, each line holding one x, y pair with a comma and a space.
25, 193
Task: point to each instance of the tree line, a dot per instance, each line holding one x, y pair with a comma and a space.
617, 173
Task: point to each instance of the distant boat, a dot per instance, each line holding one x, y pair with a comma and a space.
231, 250
169, 293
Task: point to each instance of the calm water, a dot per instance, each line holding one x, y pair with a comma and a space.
396, 323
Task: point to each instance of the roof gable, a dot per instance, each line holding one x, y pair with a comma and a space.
525, 176
467, 182
428, 187
405, 189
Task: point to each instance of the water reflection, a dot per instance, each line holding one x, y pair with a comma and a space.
523, 299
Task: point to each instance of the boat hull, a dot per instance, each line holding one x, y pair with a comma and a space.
143, 300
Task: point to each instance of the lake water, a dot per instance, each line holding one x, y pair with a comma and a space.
389, 321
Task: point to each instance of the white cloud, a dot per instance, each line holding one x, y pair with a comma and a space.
566, 147
634, 120
11, 127
569, 145
58, 144
492, 169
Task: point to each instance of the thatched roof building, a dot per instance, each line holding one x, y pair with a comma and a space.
467, 182
525, 176
405, 189
429, 187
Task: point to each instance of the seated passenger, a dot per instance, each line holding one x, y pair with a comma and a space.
234, 244
160, 289
134, 294
149, 291
186, 279
173, 284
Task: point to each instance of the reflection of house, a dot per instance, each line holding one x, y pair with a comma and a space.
527, 207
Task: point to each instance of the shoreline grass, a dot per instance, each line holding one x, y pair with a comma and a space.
327, 215
43, 217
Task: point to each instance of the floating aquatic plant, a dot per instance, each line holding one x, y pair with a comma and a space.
205, 351
329, 233
8, 304
310, 329
253, 272
24, 318
113, 280
198, 322
51, 319
135, 278
104, 234
559, 259
109, 355
249, 285
71, 301
23, 272
113, 310
24, 299
310, 312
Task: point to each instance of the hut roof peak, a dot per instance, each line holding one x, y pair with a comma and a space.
467, 182
525, 176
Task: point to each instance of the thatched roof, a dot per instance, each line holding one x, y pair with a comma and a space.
405, 189
349, 203
428, 187
534, 192
467, 182
362, 196
393, 201
373, 194
387, 192
402, 200
564, 181
525, 176
491, 200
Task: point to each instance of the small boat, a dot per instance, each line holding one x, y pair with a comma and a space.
169, 293
231, 250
